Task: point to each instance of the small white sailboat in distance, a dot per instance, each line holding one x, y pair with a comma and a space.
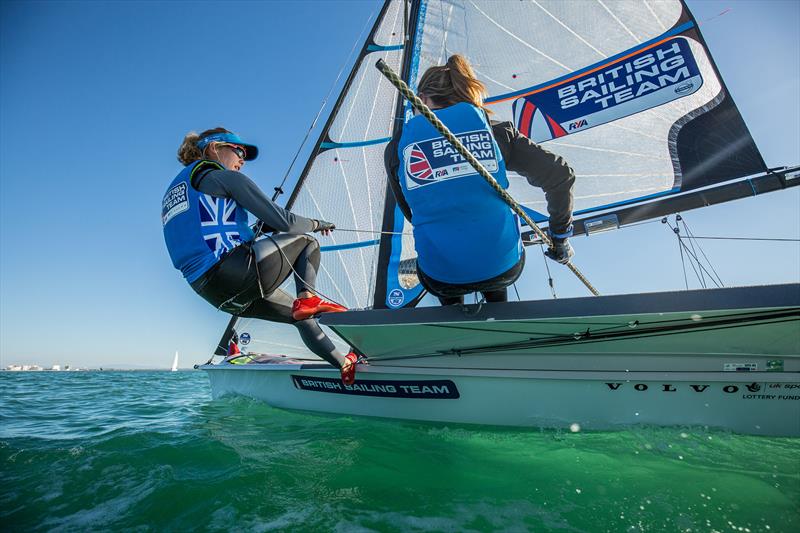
175, 362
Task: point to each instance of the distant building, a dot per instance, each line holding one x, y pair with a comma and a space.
29, 368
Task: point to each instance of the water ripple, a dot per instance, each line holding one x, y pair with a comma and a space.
149, 451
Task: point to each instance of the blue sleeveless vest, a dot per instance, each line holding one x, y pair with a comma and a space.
464, 231
200, 228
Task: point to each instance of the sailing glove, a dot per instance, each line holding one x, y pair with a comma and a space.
324, 227
560, 251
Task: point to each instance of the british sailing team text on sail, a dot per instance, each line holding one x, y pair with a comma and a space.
665, 66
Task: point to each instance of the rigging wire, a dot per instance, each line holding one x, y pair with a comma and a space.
747, 239
693, 237
279, 189
682, 246
309, 287
549, 275
678, 220
708, 261
337, 228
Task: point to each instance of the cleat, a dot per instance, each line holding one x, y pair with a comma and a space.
303, 308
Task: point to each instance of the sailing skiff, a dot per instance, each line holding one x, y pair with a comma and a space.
628, 93
727, 358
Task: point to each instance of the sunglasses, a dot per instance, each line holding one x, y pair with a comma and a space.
240, 152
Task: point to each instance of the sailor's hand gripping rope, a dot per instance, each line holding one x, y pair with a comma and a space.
415, 101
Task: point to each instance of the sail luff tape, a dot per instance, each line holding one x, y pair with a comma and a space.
418, 104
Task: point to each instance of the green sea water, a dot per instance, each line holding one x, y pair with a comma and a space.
150, 451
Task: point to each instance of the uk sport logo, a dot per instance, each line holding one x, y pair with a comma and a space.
218, 220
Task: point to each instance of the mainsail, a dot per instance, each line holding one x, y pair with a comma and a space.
625, 91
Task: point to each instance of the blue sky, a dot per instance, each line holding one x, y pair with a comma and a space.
95, 98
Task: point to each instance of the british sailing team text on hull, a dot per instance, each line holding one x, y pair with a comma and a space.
727, 358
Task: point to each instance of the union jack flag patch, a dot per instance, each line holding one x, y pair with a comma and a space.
218, 220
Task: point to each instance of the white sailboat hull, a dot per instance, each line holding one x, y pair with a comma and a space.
758, 403
722, 358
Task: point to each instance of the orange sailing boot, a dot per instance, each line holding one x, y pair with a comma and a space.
303, 308
349, 368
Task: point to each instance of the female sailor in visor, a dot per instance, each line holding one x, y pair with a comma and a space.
204, 214
467, 238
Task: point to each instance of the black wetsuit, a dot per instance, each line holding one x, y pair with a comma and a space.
246, 281
541, 168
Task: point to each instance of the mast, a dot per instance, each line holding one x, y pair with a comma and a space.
391, 213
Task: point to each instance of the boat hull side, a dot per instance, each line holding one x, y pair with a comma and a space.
758, 403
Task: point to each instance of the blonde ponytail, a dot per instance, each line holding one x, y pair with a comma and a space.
453, 83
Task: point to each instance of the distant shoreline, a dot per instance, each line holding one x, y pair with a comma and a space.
50, 371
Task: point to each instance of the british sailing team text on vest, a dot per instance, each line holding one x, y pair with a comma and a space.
464, 231
200, 228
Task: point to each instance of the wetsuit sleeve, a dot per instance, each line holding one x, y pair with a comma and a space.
542, 169
235, 185
392, 167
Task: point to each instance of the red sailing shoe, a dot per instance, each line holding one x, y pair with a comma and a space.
349, 370
303, 308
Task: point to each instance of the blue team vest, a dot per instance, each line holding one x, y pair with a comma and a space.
464, 232
199, 228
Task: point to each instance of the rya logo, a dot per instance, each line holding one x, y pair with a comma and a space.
578, 124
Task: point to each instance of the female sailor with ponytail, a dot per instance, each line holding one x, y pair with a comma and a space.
467, 238
204, 215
